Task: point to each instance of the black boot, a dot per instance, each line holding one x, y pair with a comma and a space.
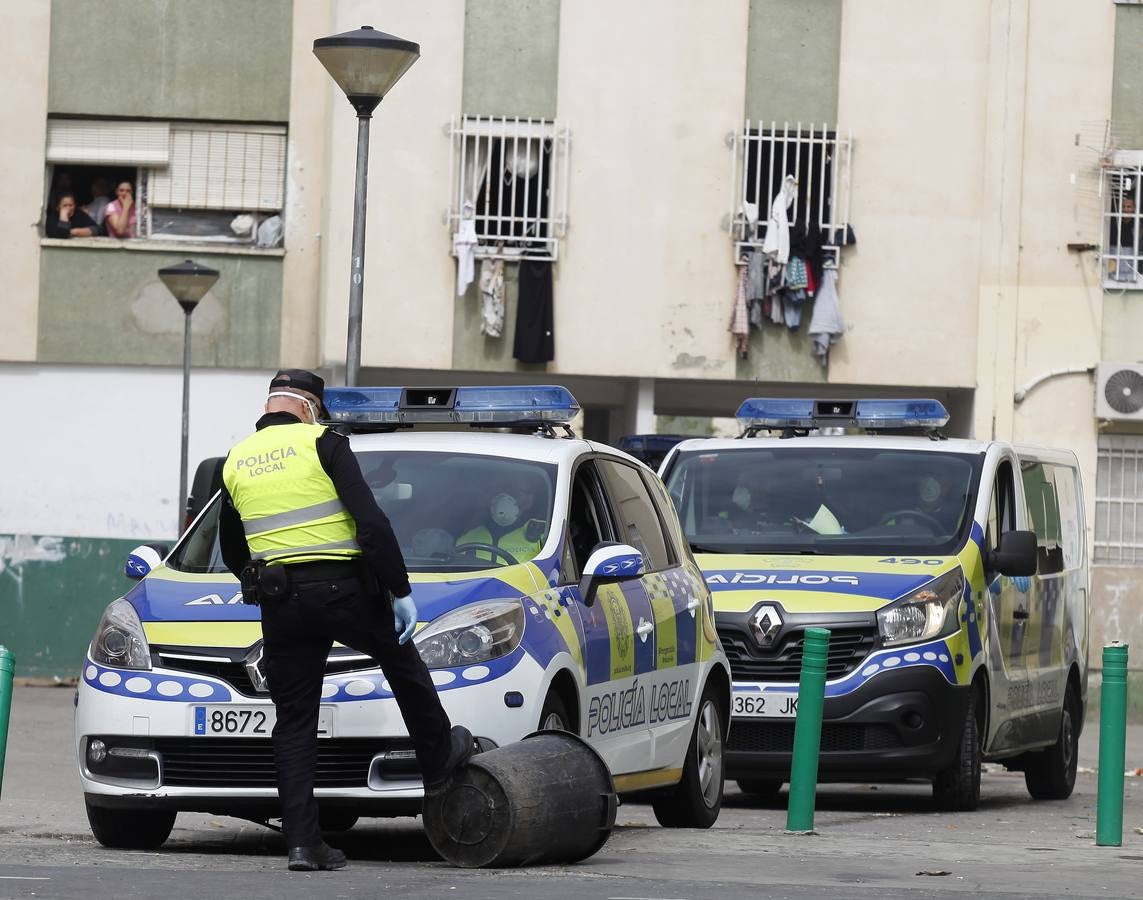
313, 858
460, 750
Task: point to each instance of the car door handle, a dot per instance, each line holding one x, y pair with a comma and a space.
645, 628
1019, 614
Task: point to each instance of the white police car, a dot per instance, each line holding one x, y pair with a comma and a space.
596, 620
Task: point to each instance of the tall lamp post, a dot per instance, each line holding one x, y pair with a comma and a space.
189, 282
365, 64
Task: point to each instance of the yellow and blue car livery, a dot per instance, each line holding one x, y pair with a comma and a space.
952, 576
173, 710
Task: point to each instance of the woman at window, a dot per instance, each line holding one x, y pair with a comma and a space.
67, 221
119, 215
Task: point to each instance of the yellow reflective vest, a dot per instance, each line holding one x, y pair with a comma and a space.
289, 507
515, 542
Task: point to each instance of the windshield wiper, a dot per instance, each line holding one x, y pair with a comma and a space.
703, 548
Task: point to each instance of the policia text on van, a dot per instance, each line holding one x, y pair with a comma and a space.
951, 573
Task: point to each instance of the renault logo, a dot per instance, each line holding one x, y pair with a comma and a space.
765, 625
253, 665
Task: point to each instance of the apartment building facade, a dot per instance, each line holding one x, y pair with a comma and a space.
967, 177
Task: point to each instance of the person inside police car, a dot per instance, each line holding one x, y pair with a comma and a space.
506, 523
302, 531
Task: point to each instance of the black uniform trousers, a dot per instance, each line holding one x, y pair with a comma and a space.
298, 631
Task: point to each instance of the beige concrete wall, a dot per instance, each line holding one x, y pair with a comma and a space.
650, 98
910, 284
1117, 612
306, 181
24, 99
409, 275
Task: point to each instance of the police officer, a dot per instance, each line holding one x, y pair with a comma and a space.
301, 529
507, 525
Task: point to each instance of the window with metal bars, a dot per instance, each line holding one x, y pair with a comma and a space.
509, 177
1122, 190
1119, 500
817, 156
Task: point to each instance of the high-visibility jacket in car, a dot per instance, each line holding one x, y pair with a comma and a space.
289, 507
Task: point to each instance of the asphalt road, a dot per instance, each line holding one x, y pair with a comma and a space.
880, 842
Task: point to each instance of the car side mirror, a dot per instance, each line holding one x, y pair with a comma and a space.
143, 559
609, 563
1015, 556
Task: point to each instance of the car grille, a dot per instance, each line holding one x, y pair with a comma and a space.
848, 647
234, 673
242, 762
837, 737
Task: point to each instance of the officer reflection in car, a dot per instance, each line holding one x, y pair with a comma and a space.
506, 534
302, 531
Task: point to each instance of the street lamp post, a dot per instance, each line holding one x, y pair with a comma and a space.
365, 64
189, 282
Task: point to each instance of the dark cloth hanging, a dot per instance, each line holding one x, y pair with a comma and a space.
535, 322
813, 253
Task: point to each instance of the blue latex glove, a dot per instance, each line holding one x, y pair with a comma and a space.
1023, 583
404, 617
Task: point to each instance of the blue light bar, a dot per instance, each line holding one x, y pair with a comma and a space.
782, 412
494, 405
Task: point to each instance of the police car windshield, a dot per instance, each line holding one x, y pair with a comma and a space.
455, 512
849, 500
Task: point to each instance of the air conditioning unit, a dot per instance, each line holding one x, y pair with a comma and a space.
1119, 392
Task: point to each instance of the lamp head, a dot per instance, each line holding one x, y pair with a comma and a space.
188, 282
366, 64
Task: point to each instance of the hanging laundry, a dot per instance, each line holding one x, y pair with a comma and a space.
792, 304
777, 243
796, 274
739, 321
535, 320
464, 247
826, 324
756, 271
492, 297
814, 255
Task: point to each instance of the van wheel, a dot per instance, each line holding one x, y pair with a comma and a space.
1050, 774
554, 715
697, 799
760, 788
130, 829
957, 788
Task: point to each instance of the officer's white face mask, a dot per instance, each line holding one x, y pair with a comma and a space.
740, 497
930, 489
504, 509
310, 408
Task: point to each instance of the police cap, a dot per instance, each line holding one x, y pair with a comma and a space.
301, 380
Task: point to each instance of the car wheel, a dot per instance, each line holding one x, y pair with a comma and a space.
957, 788
760, 788
697, 799
130, 829
1050, 774
554, 715
336, 819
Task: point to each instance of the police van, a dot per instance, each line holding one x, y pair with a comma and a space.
952, 576
555, 589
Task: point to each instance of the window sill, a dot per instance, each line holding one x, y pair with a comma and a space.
1114, 287
163, 246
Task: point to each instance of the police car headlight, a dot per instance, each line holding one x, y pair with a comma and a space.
119, 640
927, 613
473, 634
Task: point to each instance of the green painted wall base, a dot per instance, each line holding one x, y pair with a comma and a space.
52, 592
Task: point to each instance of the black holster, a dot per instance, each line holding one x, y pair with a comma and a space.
261, 582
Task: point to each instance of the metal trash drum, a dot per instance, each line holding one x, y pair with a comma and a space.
547, 798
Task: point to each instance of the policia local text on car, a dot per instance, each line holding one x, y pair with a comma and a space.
301, 530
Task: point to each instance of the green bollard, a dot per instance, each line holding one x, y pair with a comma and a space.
808, 731
7, 670
1112, 746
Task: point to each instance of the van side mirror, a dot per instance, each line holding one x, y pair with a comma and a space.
609, 563
143, 559
1015, 556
